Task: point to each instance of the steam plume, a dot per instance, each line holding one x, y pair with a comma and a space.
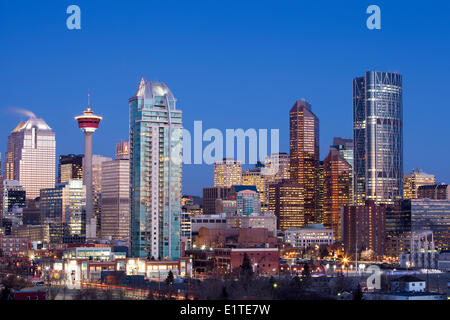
24, 112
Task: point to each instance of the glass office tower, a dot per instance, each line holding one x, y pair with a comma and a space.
336, 189
63, 207
378, 137
155, 171
70, 167
115, 196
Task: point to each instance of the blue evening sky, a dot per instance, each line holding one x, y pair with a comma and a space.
231, 64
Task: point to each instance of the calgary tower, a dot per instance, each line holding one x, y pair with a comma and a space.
88, 123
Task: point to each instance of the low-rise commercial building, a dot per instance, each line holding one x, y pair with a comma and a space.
14, 246
311, 235
34, 233
265, 261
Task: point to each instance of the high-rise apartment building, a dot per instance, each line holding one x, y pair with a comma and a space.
364, 229
155, 171
227, 173
286, 202
412, 181
115, 199
70, 167
378, 137
304, 156
336, 191
30, 156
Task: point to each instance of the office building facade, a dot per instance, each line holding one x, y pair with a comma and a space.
13, 197
345, 148
435, 191
115, 204
433, 215
247, 200
286, 202
63, 208
70, 166
227, 173
254, 177
363, 229
412, 182
276, 169
336, 190
211, 195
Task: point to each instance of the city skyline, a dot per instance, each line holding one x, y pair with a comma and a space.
256, 151
203, 79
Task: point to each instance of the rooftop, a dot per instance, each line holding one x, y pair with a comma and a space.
409, 278
151, 89
38, 123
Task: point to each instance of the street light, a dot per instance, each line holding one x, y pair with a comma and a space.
345, 261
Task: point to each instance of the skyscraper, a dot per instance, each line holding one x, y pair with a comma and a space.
97, 162
320, 193
70, 167
13, 196
378, 137
434, 215
1, 184
155, 171
277, 167
345, 149
227, 173
304, 156
115, 204
336, 189
412, 182
123, 150
278, 164
62, 207
30, 158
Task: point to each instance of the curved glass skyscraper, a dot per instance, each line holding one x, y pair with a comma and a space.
155, 172
378, 137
